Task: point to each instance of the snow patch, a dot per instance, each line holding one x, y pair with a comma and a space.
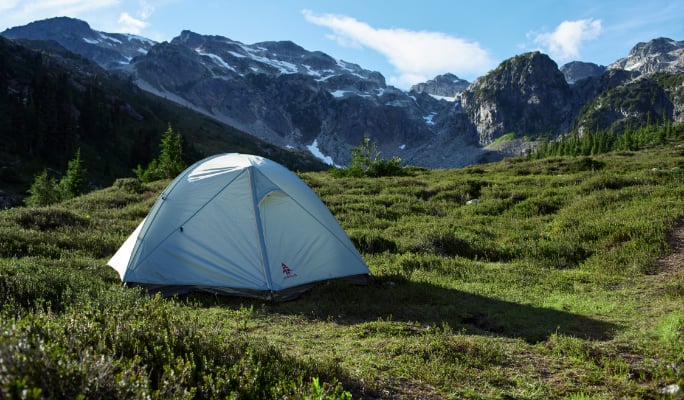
429, 118
131, 37
313, 149
633, 66
339, 93
111, 39
310, 71
284, 66
235, 54
450, 99
91, 41
402, 147
218, 60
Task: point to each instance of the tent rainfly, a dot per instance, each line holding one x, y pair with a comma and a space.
237, 224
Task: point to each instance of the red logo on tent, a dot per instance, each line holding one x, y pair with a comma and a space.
287, 272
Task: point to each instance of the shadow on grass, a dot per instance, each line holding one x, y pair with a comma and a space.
397, 299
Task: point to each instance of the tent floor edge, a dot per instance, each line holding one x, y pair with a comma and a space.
268, 295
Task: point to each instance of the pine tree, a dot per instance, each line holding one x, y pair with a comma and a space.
171, 154
170, 162
43, 191
75, 182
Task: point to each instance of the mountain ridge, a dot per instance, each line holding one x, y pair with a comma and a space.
284, 94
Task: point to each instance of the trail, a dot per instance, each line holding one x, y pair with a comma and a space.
672, 263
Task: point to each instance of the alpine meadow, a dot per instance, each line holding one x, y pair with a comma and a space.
524, 232
555, 283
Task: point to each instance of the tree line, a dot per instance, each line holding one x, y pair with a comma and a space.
47, 189
603, 141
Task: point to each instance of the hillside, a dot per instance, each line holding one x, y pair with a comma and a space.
57, 101
554, 284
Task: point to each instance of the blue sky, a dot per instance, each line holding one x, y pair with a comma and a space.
407, 41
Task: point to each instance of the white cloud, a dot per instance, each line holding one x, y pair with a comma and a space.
22, 12
99, 13
130, 24
565, 42
41, 8
8, 5
417, 56
146, 9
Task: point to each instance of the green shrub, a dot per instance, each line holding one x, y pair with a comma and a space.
366, 161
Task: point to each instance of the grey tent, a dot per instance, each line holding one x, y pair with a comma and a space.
238, 224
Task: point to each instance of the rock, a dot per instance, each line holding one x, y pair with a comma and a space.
657, 55
526, 94
447, 86
672, 389
577, 70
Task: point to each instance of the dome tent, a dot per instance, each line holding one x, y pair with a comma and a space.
237, 224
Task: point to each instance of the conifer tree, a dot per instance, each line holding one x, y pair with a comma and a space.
43, 191
171, 154
75, 182
170, 161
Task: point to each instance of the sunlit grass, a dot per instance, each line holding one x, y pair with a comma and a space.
545, 287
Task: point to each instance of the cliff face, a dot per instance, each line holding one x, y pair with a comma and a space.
447, 86
526, 94
657, 55
577, 70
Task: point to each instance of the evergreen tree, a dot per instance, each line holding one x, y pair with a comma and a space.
43, 191
171, 154
170, 162
75, 182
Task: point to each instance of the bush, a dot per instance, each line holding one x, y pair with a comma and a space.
366, 161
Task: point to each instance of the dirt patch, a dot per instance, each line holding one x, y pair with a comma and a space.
672, 263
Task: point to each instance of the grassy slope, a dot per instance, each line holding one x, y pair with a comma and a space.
546, 288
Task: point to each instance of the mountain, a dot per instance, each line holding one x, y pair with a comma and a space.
109, 50
577, 70
308, 101
55, 101
286, 95
447, 86
278, 92
526, 94
658, 55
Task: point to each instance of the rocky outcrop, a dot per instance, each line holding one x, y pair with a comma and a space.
658, 55
577, 70
447, 86
525, 95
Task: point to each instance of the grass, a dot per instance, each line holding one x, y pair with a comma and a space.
547, 288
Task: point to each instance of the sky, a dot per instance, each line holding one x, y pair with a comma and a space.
408, 41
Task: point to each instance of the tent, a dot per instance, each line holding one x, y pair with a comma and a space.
237, 224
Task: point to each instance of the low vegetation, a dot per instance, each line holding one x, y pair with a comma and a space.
549, 284
367, 162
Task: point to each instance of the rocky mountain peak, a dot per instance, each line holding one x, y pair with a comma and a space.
58, 26
577, 70
446, 86
524, 94
109, 50
657, 55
